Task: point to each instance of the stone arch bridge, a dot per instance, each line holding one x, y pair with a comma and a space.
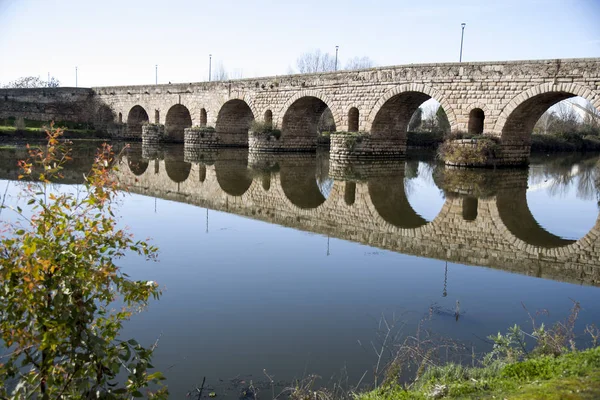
501, 99
485, 221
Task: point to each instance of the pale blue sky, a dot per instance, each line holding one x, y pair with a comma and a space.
119, 42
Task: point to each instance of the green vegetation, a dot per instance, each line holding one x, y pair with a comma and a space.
266, 129
564, 142
550, 368
480, 151
63, 298
575, 375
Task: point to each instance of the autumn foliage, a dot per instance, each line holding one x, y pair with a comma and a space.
63, 298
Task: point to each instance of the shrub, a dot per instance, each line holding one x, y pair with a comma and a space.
59, 283
479, 152
260, 128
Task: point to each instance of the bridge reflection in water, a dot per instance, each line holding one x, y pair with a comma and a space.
485, 220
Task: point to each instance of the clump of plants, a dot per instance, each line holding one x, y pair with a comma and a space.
204, 129
264, 129
479, 152
59, 324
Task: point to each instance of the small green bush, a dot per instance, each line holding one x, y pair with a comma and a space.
479, 152
261, 128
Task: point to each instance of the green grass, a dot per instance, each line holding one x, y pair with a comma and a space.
574, 375
11, 130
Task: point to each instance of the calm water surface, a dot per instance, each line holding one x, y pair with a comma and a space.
287, 263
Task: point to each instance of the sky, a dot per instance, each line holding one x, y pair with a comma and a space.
120, 42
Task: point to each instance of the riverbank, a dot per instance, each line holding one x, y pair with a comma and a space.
574, 375
18, 135
550, 143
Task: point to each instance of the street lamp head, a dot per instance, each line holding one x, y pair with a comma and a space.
337, 47
463, 24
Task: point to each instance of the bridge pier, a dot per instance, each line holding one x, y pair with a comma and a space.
363, 146
272, 143
153, 134
485, 152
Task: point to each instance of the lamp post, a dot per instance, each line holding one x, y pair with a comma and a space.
209, 66
462, 35
75, 76
336, 56
156, 74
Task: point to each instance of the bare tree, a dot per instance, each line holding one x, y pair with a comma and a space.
545, 122
359, 63
415, 120
219, 72
29, 82
315, 62
237, 73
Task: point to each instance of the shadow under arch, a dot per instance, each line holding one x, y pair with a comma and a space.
232, 172
136, 117
233, 122
301, 119
136, 163
388, 196
178, 118
518, 219
299, 183
177, 169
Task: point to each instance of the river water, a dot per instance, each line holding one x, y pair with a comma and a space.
291, 265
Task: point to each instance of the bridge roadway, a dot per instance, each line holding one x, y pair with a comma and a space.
485, 220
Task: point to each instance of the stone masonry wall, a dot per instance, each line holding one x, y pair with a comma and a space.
495, 87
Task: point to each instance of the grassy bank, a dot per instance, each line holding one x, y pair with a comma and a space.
11, 133
574, 375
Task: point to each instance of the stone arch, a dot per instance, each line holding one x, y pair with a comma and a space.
390, 114
391, 203
178, 170
310, 93
136, 117
268, 117
349, 193
353, 119
299, 183
233, 122
232, 174
178, 118
120, 118
476, 121
470, 205
517, 218
517, 119
488, 123
203, 117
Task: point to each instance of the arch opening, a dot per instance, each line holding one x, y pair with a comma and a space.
350, 193
303, 183
176, 168
469, 208
476, 120
392, 119
268, 117
307, 117
120, 118
232, 172
156, 117
135, 119
233, 122
353, 119
550, 113
201, 172
203, 117
178, 118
